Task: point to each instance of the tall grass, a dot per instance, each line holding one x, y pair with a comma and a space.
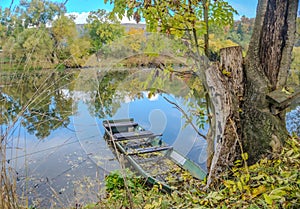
7, 181
11, 120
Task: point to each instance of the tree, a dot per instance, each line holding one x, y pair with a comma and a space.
32, 46
70, 48
241, 31
63, 30
24, 35
38, 13
267, 65
103, 29
243, 120
178, 16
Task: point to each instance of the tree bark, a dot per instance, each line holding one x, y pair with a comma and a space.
205, 4
226, 87
244, 120
266, 67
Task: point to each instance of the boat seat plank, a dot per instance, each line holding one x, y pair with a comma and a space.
120, 124
137, 137
119, 120
149, 150
132, 135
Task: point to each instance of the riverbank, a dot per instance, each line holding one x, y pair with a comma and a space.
271, 183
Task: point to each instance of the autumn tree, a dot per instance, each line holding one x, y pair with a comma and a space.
103, 29
28, 39
241, 32
71, 49
243, 119
25, 37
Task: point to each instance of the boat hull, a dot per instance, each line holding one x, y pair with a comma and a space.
149, 155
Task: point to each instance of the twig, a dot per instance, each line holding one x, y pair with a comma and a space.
124, 176
240, 144
11, 4
186, 116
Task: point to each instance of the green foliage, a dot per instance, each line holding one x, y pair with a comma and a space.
33, 46
103, 28
270, 183
38, 13
37, 101
241, 32
140, 48
294, 77
115, 182
180, 18
26, 40
64, 30
298, 33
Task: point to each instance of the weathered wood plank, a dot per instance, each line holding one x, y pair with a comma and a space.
136, 137
149, 150
133, 135
120, 124
118, 120
283, 97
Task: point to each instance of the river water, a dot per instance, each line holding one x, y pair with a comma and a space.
52, 126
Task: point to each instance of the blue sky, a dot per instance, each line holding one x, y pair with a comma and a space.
244, 7
247, 8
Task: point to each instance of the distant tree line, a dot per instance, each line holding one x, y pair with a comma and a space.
39, 34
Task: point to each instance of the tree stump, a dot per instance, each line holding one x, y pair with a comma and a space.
226, 89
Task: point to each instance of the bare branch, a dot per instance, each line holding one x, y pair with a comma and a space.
186, 116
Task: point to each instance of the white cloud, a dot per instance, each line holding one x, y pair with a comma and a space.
126, 20
80, 17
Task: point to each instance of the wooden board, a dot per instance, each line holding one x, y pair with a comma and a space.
282, 98
148, 150
120, 124
133, 135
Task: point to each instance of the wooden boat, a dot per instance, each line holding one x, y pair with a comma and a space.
149, 155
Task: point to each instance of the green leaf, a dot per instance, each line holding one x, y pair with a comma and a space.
268, 199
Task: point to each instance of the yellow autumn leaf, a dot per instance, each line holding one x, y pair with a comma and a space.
240, 186
259, 190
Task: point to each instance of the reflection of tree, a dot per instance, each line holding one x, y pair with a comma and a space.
117, 86
39, 101
106, 95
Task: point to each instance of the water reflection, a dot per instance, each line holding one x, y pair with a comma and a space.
35, 102
145, 94
51, 124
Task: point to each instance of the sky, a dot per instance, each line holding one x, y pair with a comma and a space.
81, 7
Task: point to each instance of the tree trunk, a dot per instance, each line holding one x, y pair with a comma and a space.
206, 34
266, 67
226, 88
244, 119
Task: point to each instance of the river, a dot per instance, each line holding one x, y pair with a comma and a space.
51, 123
